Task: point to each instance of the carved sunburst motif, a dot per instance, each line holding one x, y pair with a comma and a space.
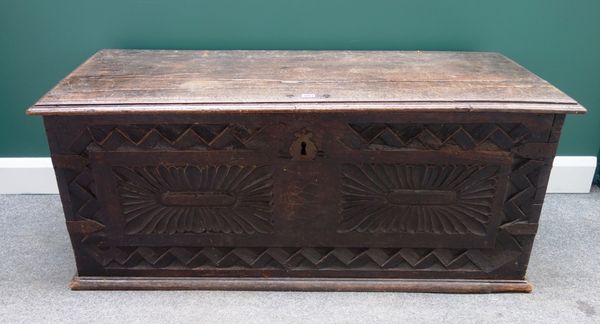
195, 199
400, 198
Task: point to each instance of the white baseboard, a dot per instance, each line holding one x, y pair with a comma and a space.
27, 176
570, 174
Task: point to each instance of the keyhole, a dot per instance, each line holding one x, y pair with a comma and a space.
303, 148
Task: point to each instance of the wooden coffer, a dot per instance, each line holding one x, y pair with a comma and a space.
386, 171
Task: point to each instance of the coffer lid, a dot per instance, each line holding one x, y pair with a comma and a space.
168, 81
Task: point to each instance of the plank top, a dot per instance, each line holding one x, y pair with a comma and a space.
144, 81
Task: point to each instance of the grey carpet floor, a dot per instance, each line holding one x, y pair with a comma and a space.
36, 265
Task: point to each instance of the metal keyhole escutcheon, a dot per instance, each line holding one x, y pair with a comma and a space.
303, 148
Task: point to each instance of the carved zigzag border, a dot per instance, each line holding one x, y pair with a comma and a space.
508, 247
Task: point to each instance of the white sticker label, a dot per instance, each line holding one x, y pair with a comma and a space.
308, 95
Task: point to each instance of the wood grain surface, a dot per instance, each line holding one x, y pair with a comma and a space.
142, 81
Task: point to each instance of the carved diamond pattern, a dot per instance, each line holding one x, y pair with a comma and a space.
436, 136
289, 258
84, 204
507, 248
523, 191
166, 137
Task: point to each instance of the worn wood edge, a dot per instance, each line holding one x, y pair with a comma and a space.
298, 107
302, 284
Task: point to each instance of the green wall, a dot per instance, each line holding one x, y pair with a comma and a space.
41, 41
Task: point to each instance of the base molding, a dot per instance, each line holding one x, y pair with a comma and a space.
302, 284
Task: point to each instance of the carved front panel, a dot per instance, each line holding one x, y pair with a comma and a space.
304, 195
195, 199
412, 199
